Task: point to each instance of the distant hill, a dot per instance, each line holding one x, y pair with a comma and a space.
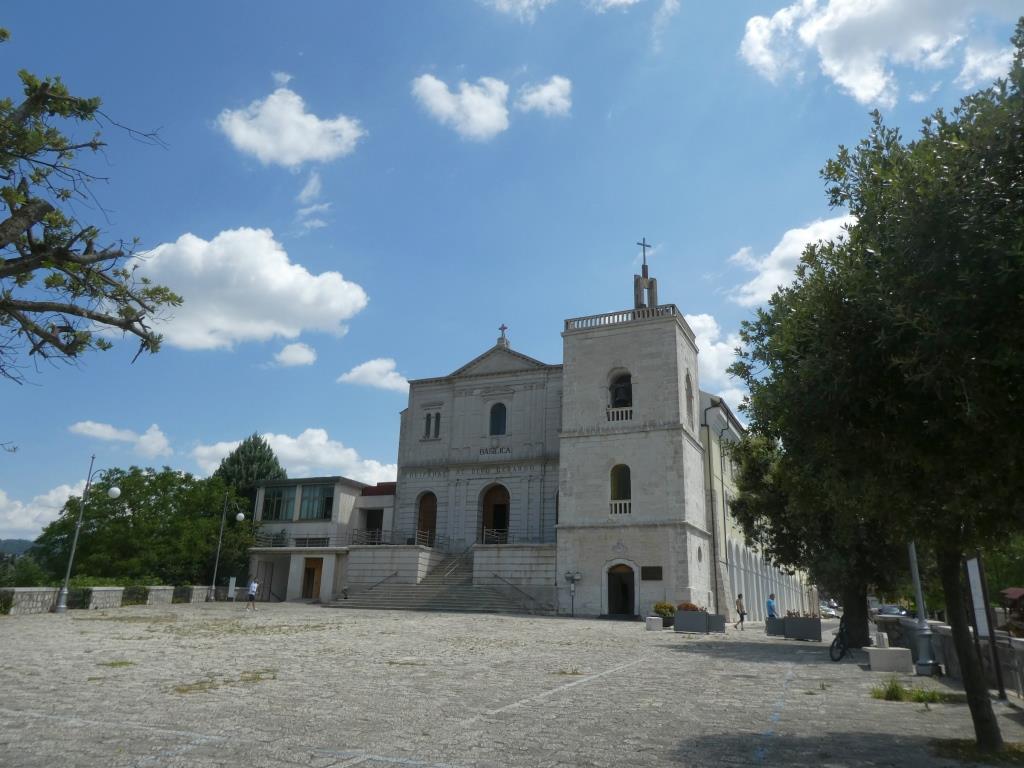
14, 546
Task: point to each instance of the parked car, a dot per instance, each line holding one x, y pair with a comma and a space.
892, 610
827, 611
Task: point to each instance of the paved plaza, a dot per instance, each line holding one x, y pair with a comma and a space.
298, 685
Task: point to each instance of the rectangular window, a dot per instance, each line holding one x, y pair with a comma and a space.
316, 503
278, 503
650, 573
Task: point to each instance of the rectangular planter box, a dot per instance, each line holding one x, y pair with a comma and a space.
775, 627
692, 621
802, 629
716, 622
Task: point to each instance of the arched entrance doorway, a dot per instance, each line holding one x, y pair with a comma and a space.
426, 520
494, 517
621, 584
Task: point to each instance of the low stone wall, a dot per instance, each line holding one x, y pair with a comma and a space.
160, 595
368, 564
526, 572
24, 600
902, 633
190, 594
105, 597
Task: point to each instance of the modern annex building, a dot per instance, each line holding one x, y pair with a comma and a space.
595, 487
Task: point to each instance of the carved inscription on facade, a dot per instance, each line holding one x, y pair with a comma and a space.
496, 451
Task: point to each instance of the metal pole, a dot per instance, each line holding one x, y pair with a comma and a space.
925, 660
62, 598
223, 514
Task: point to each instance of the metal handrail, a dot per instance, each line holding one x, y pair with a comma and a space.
495, 536
517, 589
378, 583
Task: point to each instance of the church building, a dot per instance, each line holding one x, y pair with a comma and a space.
582, 488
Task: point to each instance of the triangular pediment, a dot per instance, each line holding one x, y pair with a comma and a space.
499, 360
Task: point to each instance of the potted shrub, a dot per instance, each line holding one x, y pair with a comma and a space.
667, 611
691, 618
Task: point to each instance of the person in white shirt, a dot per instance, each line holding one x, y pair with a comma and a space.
254, 587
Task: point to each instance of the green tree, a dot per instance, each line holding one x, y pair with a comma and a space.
163, 526
250, 463
787, 515
22, 571
61, 290
890, 369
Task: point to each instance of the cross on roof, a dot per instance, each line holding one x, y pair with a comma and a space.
644, 245
503, 328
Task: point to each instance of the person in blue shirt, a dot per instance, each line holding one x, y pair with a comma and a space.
771, 608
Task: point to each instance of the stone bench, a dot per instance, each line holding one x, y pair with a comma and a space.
891, 660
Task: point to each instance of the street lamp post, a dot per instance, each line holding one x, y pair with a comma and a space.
220, 537
113, 492
572, 577
925, 658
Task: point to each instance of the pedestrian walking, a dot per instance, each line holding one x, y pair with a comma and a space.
771, 608
741, 611
254, 587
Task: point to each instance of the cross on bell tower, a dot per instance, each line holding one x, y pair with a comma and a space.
645, 287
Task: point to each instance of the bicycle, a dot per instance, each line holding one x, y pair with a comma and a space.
841, 645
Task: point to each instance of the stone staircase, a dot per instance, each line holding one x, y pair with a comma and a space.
449, 587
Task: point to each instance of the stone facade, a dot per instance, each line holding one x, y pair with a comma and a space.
596, 485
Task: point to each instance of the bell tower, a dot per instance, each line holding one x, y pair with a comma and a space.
632, 527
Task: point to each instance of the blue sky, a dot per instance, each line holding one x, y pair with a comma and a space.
356, 194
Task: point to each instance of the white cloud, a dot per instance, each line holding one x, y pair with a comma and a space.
311, 189
282, 78
26, 520
310, 453
476, 112
777, 267
526, 10
379, 373
552, 98
311, 209
296, 354
279, 130
857, 43
241, 286
715, 355
662, 17
983, 65
600, 6
308, 224
153, 442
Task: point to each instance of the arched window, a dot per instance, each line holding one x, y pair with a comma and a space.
498, 414
620, 483
426, 428
621, 391
437, 425
689, 401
